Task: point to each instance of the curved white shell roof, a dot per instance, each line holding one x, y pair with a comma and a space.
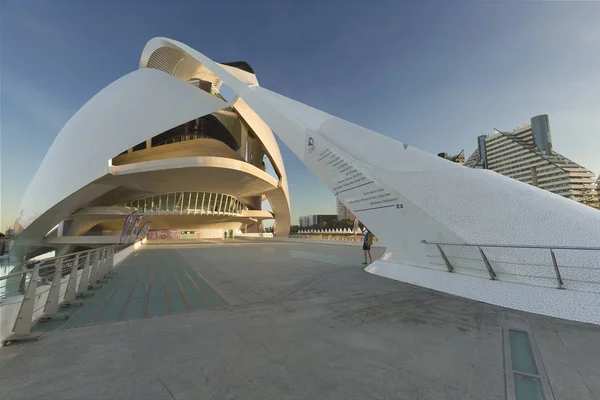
136, 107
130, 110
404, 195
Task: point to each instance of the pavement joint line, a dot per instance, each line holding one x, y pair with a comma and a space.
180, 313
164, 282
344, 259
124, 309
209, 284
240, 373
587, 386
148, 290
166, 388
401, 352
324, 274
72, 316
475, 352
108, 299
134, 320
198, 289
183, 293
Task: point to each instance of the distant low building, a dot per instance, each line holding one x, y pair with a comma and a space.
526, 154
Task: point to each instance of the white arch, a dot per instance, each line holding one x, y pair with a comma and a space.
405, 196
187, 63
402, 194
129, 111
106, 125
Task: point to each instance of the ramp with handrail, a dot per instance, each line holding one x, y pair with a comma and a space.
43, 287
529, 264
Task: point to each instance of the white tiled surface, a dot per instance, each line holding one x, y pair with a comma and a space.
568, 304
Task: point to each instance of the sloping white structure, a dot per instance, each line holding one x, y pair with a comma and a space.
433, 216
161, 141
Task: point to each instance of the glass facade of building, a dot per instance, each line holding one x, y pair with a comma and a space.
188, 203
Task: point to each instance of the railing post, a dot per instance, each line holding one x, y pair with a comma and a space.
84, 282
93, 263
448, 265
107, 263
95, 271
487, 264
22, 326
52, 301
71, 292
22, 283
101, 265
556, 271
111, 260
103, 269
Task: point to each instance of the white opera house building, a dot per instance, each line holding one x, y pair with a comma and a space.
164, 142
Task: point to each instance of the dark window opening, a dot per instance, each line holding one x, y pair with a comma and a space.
141, 146
205, 127
202, 85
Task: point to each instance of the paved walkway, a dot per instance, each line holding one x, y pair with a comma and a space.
303, 321
151, 283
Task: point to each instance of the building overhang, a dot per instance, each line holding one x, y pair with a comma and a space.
194, 174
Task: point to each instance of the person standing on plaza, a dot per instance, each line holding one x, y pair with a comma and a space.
367, 242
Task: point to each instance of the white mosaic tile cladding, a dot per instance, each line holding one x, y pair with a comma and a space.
441, 202
520, 269
568, 304
445, 202
531, 266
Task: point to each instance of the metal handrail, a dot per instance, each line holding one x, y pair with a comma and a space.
488, 266
183, 138
514, 246
45, 261
98, 265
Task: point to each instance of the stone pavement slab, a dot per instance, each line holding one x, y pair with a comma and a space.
299, 328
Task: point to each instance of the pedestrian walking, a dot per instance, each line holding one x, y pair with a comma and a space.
367, 242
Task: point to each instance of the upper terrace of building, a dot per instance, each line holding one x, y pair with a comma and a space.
220, 134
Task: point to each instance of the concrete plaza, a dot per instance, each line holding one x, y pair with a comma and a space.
297, 321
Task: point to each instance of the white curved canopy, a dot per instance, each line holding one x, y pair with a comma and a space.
403, 195
136, 107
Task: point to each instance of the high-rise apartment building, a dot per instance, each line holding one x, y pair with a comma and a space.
459, 158
598, 191
303, 222
343, 212
526, 154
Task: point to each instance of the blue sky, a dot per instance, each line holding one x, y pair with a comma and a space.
432, 74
